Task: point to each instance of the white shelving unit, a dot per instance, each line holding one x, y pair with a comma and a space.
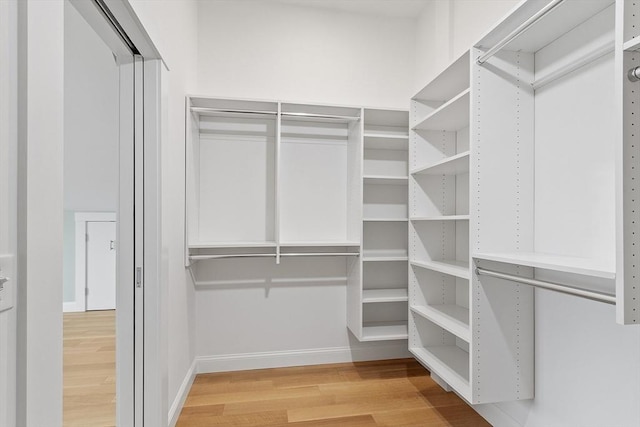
377, 293
272, 179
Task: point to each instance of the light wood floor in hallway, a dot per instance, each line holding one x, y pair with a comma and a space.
385, 393
89, 369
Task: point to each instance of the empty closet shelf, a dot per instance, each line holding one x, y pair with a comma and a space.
450, 317
450, 267
319, 243
441, 218
452, 116
223, 245
386, 180
384, 295
380, 331
384, 258
454, 165
559, 263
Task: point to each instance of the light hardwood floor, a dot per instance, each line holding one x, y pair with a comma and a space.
89, 369
383, 393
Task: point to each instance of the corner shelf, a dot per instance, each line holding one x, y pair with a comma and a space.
370, 296
454, 165
451, 116
451, 267
386, 180
384, 331
452, 318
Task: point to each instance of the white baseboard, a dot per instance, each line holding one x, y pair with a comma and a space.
181, 396
278, 359
495, 416
71, 307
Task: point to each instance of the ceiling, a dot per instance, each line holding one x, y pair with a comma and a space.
388, 8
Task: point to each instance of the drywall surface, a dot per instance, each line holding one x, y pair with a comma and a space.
447, 28
172, 25
272, 50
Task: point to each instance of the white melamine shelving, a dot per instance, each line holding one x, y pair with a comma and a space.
453, 165
451, 116
451, 267
377, 310
450, 317
451, 364
222, 245
441, 218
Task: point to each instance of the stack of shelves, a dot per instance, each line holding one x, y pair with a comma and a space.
378, 285
439, 274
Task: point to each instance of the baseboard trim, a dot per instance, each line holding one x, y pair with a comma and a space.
495, 416
181, 396
279, 359
71, 307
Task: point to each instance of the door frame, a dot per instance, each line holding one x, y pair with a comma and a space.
81, 219
39, 46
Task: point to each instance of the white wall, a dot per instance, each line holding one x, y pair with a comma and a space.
270, 50
90, 131
172, 25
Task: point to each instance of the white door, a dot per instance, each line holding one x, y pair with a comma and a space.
101, 265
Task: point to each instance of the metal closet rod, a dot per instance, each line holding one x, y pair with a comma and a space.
557, 287
322, 116
518, 31
301, 254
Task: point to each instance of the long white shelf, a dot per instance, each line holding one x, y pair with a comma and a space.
383, 258
386, 141
385, 219
384, 295
224, 245
632, 45
386, 180
382, 331
452, 318
318, 243
441, 218
451, 116
559, 263
453, 165
449, 362
450, 267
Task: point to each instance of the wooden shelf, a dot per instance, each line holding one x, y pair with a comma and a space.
382, 331
384, 295
225, 245
450, 82
452, 318
454, 165
563, 264
452, 116
441, 218
385, 219
450, 267
449, 362
386, 180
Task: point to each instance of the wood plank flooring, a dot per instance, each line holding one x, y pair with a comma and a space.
381, 393
89, 375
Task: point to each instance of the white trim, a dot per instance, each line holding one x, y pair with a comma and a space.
181, 396
319, 356
81, 218
495, 416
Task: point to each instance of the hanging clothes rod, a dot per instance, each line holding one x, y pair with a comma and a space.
557, 287
518, 31
204, 110
322, 116
573, 66
221, 256
320, 254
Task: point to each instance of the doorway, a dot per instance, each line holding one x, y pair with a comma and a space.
102, 350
